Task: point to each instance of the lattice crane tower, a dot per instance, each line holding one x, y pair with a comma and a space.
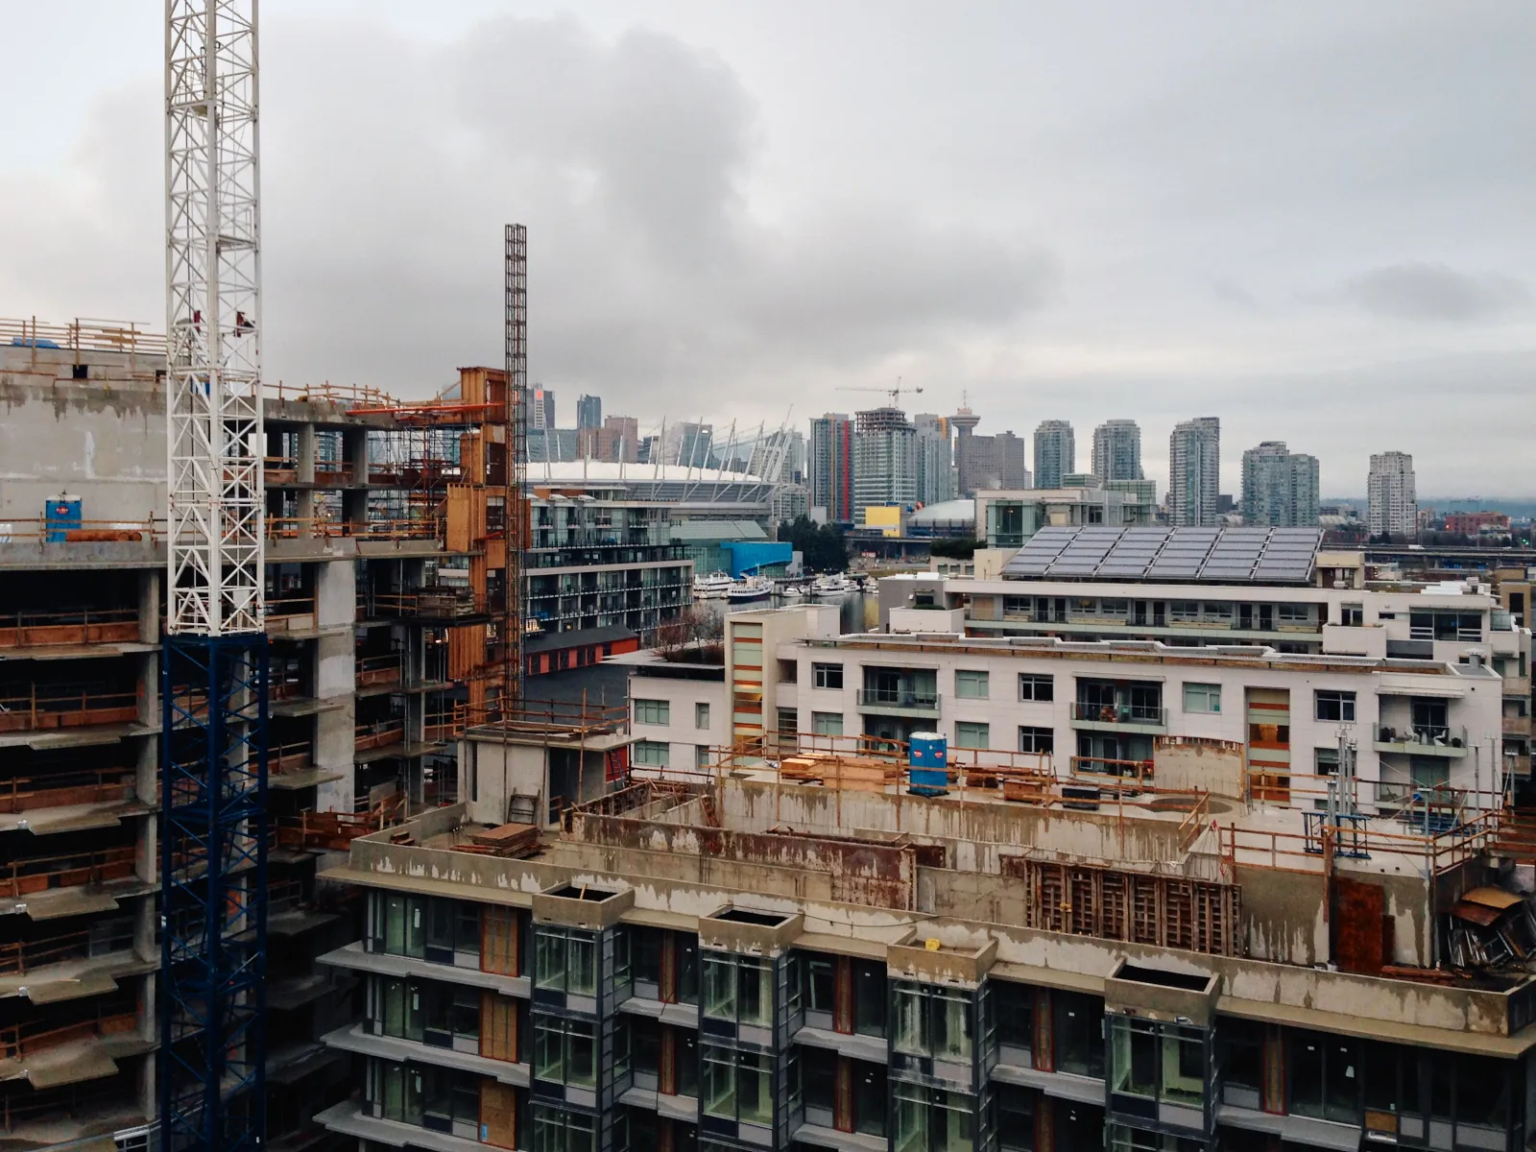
214, 672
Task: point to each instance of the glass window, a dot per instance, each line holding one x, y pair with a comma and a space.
1183, 1065
820, 985
1037, 688
970, 685
702, 756
556, 1130
1482, 1089
932, 1021
1326, 761
1033, 739
650, 753
565, 1051
827, 675
1133, 1057
738, 1086
654, 711
827, 723
972, 735
1202, 697
869, 998
1244, 1041
932, 1120
1325, 1076
1015, 1118
1339, 706
1014, 1007
1077, 1026
565, 960
701, 714
738, 988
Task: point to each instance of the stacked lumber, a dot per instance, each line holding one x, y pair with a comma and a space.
849, 773
513, 841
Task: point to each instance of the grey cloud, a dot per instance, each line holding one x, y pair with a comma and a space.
1420, 291
390, 166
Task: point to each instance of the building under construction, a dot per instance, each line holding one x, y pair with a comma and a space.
387, 559
795, 950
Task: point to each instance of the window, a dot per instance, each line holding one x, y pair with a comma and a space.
556, 1130
424, 928
827, 675
932, 1021
1326, 761
701, 714
971, 735
819, 988
1202, 697
1295, 613
738, 988
1014, 1006
827, 723
870, 999
1352, 615
650, 753
738, 1086
565, 1051
1077, 1028
1184, 610
565, 960
1338, 706
932, 1120
654, 711
1037, 688
701, 756
970, 685
1157, 1061
1325, 1076
1036, 739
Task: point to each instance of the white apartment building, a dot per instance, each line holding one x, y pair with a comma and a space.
1194, 471
1392, 495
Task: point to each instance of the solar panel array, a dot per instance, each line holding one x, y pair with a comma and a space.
1205, 555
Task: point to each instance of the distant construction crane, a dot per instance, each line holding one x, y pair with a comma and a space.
893, 393
213, 743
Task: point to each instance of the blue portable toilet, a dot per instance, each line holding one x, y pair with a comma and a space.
927, 764
61, 516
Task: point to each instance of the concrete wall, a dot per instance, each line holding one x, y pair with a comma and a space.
981, 833
1217, 767
335, 679
103, 441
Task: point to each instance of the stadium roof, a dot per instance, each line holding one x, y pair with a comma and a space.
1169, 555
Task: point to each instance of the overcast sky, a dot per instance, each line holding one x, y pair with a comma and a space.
1314, 220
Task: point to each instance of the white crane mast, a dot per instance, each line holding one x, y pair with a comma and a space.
213, 319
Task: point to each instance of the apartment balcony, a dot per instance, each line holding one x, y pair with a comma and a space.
48, 707
443, 604
85, 1050
901, 702
292, 766
68, 800
1422, 740
380, 672
1516, 725
79, 629
71, 966
357, 1039
47, 887
1119, 717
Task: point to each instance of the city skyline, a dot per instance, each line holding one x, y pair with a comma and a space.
1333, 270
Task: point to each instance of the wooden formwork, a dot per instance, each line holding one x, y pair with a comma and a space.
1137, 907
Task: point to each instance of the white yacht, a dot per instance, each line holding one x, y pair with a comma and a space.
714, 586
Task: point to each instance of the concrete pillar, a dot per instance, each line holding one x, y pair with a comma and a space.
335, 678
306, 453
354, 450
149, 605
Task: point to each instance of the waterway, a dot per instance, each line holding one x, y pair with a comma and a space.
858, 612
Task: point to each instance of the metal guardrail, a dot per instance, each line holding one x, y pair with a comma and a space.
82, 335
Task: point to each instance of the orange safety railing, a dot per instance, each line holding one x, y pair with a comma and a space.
27, 793
25, 956
1286, 850
46, 707
375, 670
336, 830
39, 873
84, 626
295, 757
85, 532
343, 395
83, 335
23, 1040
379, 734
1100, 769
280, 469
321, 528
333, 472
437, 603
